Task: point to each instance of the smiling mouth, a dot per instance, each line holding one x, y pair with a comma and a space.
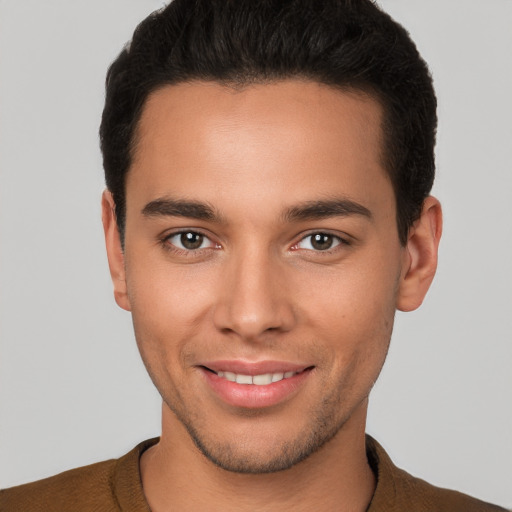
263, 379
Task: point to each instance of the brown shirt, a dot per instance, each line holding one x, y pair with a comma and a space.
115, 485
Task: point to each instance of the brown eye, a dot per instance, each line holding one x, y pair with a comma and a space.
322, 241
189, 241
319, 242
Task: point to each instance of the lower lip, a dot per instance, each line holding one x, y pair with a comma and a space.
252, 396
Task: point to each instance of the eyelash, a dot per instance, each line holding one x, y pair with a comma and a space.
336, 238
169, 246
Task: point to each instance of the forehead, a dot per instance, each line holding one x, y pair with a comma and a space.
281, 141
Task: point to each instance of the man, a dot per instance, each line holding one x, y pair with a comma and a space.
268, 167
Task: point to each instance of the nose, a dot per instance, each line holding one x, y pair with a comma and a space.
255, 299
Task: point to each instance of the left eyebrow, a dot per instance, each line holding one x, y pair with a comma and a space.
316, 210
169, 207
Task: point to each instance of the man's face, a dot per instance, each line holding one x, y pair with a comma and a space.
261, 245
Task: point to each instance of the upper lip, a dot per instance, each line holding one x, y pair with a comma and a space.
254, 368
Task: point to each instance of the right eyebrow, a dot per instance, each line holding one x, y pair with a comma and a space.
323, 209
168, 207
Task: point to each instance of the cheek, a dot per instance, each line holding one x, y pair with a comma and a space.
350, 296
165, 314
356, 332
168, 308
166, 296
352, 311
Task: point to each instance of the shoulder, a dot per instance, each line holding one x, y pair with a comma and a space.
398, 490
101, 487
434, 498
67, 490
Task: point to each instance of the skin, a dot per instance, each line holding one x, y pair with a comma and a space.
258, 289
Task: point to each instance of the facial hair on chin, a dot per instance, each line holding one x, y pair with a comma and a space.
321, 429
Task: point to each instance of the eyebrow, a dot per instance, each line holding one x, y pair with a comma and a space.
316, 210
167, 207
309, 210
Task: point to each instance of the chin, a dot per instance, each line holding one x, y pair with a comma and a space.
245, 455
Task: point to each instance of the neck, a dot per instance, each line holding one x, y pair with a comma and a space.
177, 476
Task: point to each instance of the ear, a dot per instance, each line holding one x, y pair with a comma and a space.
420, 257
115, 253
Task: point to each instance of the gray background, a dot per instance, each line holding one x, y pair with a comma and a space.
72, 388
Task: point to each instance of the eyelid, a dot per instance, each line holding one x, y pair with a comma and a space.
168, 245
341, 241
167, 236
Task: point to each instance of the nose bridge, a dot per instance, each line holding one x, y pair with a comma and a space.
253, 301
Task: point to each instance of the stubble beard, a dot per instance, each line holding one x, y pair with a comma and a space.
231, 456
326, 420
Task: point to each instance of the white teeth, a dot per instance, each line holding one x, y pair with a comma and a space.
243, 379
262, 380
277, 377
259, 380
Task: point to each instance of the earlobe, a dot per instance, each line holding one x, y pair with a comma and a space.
115, 253
420, 262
